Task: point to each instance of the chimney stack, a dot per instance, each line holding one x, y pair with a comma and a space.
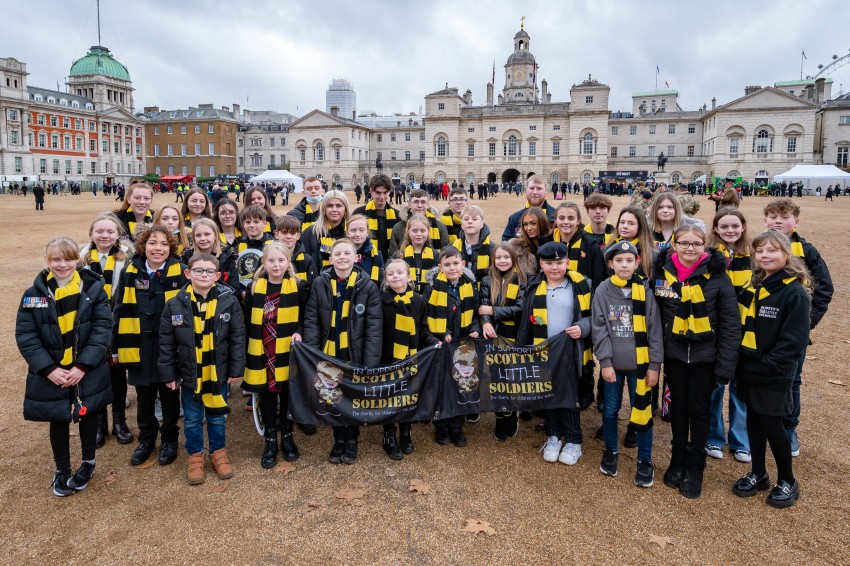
489, 94
545, 86
713, 102
820, 83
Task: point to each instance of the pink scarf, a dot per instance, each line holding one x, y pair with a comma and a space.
684, 273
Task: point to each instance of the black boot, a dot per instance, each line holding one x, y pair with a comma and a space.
691, 486
269, 459
287, 443
120, 430
102, 427
391, 445
676, 469
405, 438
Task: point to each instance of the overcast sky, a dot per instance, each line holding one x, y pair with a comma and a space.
282, 55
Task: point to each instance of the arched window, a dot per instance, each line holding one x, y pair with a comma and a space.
675, 177
319, 152
512, 145
763, 142
442, 147
337, 179
587, 144
556, 178
470, 179
587, 177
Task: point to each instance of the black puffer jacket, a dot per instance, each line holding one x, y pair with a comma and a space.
504, 313
177, 361
40, 343
365, 319
722, 306
226, 265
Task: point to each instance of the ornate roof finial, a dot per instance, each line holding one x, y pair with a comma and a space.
522, 23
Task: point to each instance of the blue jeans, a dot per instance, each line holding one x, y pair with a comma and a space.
193, 423
738, 439
613, 400
792, 420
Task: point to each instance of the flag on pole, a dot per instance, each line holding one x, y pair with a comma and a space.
666, 84
657, 70
804, 54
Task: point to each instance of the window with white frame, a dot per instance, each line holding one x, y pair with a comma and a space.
93, 145
632, 130
182, 149
587, 144
491, 150
212, 170
615, 130
511, 146
169, 149
211, 130
734, 144
211, 148
183, 129
614, 152
470, 150
556, 148
441, 106
691, 151
671, 150
392, 137
671, 128
441, 147
588, 100
198, 131
407, 136
842, 156
422, 155
763, 142
692, 128
392, 156
651, 151
407, 155
792, 144
652, 129
532, 148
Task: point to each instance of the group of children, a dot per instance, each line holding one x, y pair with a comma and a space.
189, 303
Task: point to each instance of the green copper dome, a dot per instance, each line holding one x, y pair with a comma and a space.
98, 61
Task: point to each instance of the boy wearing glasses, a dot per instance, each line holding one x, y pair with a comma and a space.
451, 215
420, 204
202, 347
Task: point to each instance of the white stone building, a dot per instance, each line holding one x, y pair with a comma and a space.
262, 141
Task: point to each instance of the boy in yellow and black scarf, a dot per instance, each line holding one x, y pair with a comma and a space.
452, 312
202, 347
289, 234
558, 300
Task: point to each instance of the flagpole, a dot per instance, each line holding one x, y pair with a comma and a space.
802, 55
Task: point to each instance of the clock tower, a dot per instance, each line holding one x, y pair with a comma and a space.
520, 73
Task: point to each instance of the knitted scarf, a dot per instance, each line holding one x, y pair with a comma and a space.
691, 321
366, 257
748, 305
434, 231
299, 261
129, 325
420, 264
325, 243
207, 384
509, 290
540, 315
574, 252
309, 217
107, 271
259, 359
67, 300
237, 234
404, 342
337, 343
796, 244
634, 241
739, 269
131, 220
479, 260
453, 225
373, 221
244, 243
641, 417
437, 309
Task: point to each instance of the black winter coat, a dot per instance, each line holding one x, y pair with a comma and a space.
226, 265
513, 227
781, 337
313, 246
501, 314
365, 319
40, 343
424, 338
723, 316
822, 288
177, 361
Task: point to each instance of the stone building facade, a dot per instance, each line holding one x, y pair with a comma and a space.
262, 141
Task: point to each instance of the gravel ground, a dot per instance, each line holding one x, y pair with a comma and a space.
542, 513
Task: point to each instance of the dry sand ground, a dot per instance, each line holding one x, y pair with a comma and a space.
543, 513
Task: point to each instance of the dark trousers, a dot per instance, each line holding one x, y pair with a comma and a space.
346, 432
453, 423
564, 423
118, 378
764, 429
273, 407
690, 401
148, 425
60, 442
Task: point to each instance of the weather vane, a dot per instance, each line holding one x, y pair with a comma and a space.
522, 23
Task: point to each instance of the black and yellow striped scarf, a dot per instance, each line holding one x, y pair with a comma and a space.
288, 315
633, 241
574, 251
310, 217
641, 417
510, 292
609, 234
237, 234
691, 321
207, 384
67, 300
243, 243
748, 302
479, 260
420, 264
453, 225
540, 314
796, 245
337, 346
433, 231
404, 341
131, 221
300, 264
739, 270
129, 325
437, 309
372, 218
367, 254
326, 242
107, 271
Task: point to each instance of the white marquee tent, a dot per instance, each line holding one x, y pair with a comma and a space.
280, 176
813, 176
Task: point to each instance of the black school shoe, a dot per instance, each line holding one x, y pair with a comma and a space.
81, 479
141, 454
335, 457
60, 484
349, 452
751, 485
441, 436
458, 438
167, 453
784, 494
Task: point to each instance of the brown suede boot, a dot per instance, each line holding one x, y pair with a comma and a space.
195, 474
221, 464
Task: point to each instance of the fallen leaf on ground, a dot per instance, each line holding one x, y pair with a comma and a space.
219, 488
419, 486
660, 541
145, 465
478, 526
110, 478
349, 494
285, 467
811, 357
836, 382
314, 506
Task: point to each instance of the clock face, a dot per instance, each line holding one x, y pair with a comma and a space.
518, 75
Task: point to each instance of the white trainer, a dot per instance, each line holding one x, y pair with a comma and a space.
551, 449
714, 451
570, 454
